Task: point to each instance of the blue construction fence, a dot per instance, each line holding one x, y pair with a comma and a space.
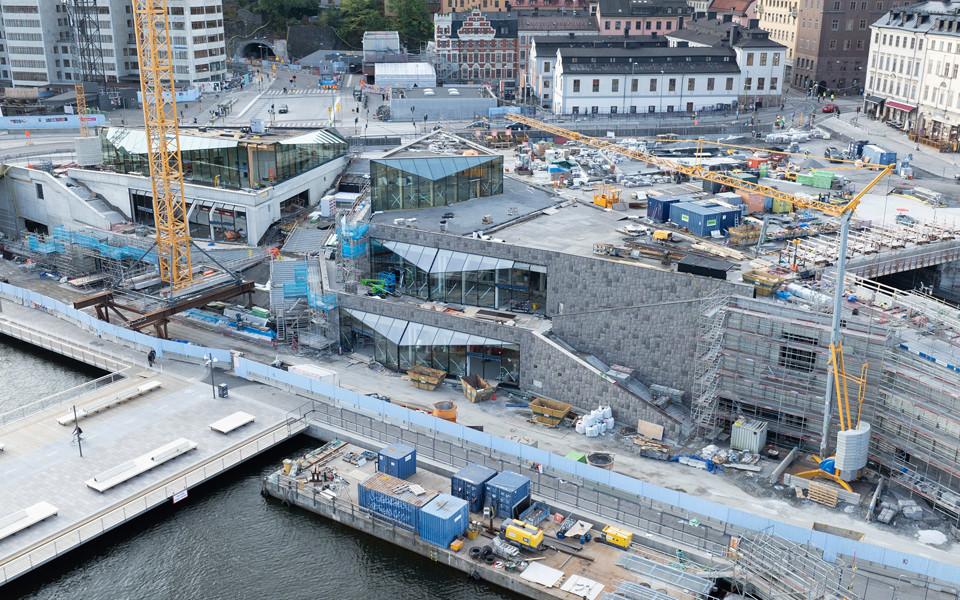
831, 545
62, 234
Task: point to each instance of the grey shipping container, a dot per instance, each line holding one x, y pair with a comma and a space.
508, 494
443, 519
398, 460
658, 208
469, 484
392, 499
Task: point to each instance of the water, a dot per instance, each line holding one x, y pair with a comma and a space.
29, 373
226, 541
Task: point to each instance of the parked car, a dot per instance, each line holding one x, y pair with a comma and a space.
283, 109
518, 127
479, 125
830, 108
906, 220
834, 155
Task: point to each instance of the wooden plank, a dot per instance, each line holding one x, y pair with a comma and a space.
649, 430
822, 494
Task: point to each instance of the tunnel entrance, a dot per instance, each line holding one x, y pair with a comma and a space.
258, 51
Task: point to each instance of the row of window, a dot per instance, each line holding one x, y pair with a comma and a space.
882, 87
763, 59
895, 41
671, 84
639, 25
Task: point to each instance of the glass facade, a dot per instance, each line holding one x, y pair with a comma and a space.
399, 183
235, 164
401, 345
461, 278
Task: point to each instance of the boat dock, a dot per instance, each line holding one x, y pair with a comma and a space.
329, 485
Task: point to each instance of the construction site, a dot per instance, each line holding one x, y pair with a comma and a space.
751, 315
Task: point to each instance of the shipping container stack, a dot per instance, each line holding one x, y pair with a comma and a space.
508, 494
469, 484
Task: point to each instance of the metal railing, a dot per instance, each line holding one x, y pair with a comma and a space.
61, 397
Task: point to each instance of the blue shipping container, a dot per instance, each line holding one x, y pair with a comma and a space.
878, 155
398, 460
508, 494
469, 484
379, 494
658, 208
443, 519
703, 219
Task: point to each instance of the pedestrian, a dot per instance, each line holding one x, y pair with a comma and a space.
782, 105
151, 356
858, 110
194, 120
838, 112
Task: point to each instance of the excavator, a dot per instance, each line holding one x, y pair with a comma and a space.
836, 376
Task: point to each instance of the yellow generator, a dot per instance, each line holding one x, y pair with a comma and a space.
522, 535
616, 537
663, 236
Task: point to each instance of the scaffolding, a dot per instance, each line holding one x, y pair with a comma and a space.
776, 569
707, 365
84, 15
353, 247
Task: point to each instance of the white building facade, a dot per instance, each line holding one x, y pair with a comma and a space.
40, 42
645, 81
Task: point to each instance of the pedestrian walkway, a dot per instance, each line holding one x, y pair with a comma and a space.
301, 92
860, 127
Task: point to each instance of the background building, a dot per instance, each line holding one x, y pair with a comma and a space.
543, 57
639, 17
782, 19
761, 60
644, 80
833, 42
475, 46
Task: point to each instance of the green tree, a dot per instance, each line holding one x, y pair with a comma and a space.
412, 21
357, 17
283, 11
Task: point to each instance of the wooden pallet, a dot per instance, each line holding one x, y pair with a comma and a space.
823, 494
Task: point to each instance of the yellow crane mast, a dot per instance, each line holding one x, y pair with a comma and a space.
163, 141
82, 110
835, 375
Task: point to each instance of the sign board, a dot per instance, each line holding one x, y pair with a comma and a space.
181, 495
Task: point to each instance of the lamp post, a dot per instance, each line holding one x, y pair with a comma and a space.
211, 362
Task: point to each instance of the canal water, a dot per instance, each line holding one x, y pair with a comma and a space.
225, 541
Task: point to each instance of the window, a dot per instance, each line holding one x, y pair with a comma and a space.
546, 67
710, 84
832, 45
835, 25
749, 59
606, 25
763, 59
729, 83
859, 44
615, 85
776, 59
672, 85
846, 45
616, 25
773, 84
863, 24
653, 85
634, 84
596, 85
576, 86
795, 358
546, 84
748, 82
761, 81
39, 188
691, 84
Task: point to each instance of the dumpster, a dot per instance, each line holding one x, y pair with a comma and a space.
476, 388
222, 390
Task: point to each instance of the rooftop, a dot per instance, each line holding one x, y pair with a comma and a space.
134, 141
556, 23
410, 68
436, 144
447, 92
641, 8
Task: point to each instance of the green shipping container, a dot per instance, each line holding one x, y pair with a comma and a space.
805, 179
745, 177
577, 456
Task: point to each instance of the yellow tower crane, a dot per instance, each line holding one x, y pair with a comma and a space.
835, 374
163, 142
82, 110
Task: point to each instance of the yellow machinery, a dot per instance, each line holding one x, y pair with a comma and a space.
522, 535
843, 211
606, 196
82, 110
663, 236
616, 537
163, 141
826, 466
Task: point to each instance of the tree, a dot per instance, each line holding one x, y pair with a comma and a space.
357, 17
283, 11
412, 21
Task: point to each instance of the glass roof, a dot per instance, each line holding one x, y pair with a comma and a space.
405, 333
434, 168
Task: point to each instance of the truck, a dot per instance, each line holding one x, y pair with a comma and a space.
522, 535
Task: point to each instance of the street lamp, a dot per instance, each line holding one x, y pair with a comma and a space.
211, 362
